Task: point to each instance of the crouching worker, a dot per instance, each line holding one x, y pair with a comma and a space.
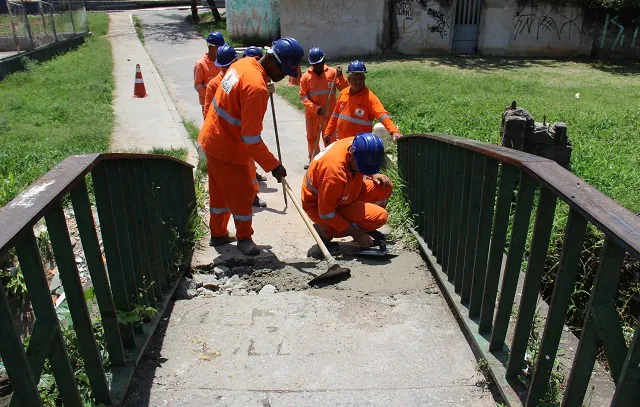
343, 192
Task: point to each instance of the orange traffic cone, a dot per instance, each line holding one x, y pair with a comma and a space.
139, 91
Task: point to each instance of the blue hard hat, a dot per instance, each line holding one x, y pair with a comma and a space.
289, 53
368, 151
253, 51
216, 39
225, 55
356, 66
316, 55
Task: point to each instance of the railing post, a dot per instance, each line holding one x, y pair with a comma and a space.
82, 324
25, 386
456, 211
603, 296
627, 388
531, 288
53, 22
564, 283
514, 260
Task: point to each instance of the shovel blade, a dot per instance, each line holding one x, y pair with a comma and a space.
335, 272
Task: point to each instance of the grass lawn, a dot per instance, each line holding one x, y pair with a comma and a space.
55, 109
466, 96
207, 25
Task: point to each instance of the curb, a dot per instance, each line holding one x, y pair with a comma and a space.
192, 154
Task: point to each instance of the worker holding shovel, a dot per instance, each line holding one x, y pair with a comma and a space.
232, 137
318, 94
343, 192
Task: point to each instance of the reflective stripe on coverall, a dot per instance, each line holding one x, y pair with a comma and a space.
204, 70
335, 198
354, 114
232, 139
314, 94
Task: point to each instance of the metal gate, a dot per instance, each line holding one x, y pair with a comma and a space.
465, 30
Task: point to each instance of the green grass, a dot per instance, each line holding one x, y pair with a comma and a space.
55, 109
192, 129
206, 25
138, 24
179, 153
465, 97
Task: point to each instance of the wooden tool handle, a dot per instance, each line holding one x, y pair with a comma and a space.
307, 222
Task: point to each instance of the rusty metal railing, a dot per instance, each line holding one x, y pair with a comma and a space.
461, 192
143, 203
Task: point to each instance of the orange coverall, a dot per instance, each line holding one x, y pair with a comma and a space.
231, 139
204, 70
314, 94
212, 86
335, 198
354, 114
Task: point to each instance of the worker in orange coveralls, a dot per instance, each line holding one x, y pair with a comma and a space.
205, 68
225, 56
231, 138
343, 192
315, 86
357, 107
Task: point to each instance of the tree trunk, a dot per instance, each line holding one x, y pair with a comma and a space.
214, 10
194, 11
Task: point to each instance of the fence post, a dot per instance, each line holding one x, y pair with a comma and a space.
86, 17
26, 20
73, 24
13, 27
44, 24
53, 22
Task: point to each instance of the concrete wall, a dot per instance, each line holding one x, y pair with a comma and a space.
422, 27
255, 19
617, 35
534, 28
340, 27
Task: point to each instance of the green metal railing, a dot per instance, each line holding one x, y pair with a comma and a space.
143, 204
461, 193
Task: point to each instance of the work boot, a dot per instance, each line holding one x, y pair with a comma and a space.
332, 247
259, 203
261, 177
306, 166
248, 247
220, 240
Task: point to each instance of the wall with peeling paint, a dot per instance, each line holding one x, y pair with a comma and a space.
422, 27
533, 28
340, 27
254, 19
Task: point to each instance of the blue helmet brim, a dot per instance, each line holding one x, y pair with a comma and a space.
316, 62
289, 72
367, 169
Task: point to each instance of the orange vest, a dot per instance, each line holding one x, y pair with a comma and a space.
212, 86
314, 89
354, 114
204, 70
233, 133
330, 183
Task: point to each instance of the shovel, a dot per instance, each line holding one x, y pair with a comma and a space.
335, 271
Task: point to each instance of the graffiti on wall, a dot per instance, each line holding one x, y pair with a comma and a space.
253, 18
547, 22
421, 22
330, 16
623, 35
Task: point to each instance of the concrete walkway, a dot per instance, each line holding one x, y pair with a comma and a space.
384, 337
141, 123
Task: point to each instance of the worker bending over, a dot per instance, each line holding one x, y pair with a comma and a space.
357, 107
343, 193
231, 138
205, 68
315, 91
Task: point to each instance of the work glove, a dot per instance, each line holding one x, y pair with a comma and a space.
321, 111
279, 172
339, 71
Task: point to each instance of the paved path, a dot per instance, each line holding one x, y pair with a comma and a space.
141, 123
384, 337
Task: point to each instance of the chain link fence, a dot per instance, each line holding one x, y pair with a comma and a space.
27, 25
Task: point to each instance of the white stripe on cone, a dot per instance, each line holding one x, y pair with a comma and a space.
139, 80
